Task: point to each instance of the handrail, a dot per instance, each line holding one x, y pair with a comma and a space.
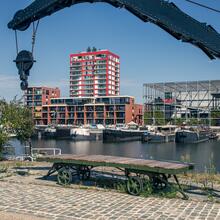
55, 151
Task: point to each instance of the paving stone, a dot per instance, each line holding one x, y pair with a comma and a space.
76, 204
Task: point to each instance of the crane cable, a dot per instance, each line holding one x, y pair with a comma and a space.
16, 41
33, 37
204, 6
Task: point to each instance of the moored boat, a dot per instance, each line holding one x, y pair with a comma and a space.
87, 133
49, 132
191, 135
81, 134
158, 137
159, 134
118, 135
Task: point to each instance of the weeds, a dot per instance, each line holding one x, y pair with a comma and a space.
147, 189
4, 168
120, 187
205, 181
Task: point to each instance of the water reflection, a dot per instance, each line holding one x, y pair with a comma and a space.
200, 154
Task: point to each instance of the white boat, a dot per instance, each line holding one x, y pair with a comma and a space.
85, 133
49, 132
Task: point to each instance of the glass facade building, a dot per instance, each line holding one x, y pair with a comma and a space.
192, 102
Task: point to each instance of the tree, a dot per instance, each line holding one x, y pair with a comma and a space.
89, 49
154, 118
215, 115
94, 49
15, 119
3, 140
3, 133
148, 118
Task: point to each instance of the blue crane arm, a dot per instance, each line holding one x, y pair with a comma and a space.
162, 13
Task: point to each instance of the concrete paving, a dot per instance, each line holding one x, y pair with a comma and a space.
14, 216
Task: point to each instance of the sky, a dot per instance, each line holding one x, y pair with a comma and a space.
147, 53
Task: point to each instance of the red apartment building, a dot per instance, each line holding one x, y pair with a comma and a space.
48, 108
104, 110
94, 73
94, 94
36, 97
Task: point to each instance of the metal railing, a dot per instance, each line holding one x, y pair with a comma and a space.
54, 151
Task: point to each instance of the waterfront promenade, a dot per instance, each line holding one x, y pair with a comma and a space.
35, 198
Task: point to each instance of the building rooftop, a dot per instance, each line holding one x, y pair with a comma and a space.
97, 97
205, 85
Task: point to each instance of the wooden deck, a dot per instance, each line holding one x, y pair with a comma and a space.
120, 162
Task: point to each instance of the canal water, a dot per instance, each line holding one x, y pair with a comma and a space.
202, 154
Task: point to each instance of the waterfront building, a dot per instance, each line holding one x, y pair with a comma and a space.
94, 73
36, 97
195, 102
104, 110
94, 94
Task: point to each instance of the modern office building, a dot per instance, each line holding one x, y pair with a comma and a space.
109, 110
36, 97
195, 102
94, 73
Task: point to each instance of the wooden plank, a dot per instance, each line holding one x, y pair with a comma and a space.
122, 162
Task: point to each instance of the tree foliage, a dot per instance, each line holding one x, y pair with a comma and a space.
156, 118
215, 114
15, 119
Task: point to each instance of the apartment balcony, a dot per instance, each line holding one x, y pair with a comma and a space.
110, 109
37, 115
99, 109
61, 111
96, 68
78, 74
77, 111
62, 116
88, 93
90, 118
75, 69
39, 92
110, 118
71, 118
89, 109
120, 118
70, 109
76, 64
122, 109
100, 116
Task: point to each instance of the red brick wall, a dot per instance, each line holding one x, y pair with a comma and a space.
138, 113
